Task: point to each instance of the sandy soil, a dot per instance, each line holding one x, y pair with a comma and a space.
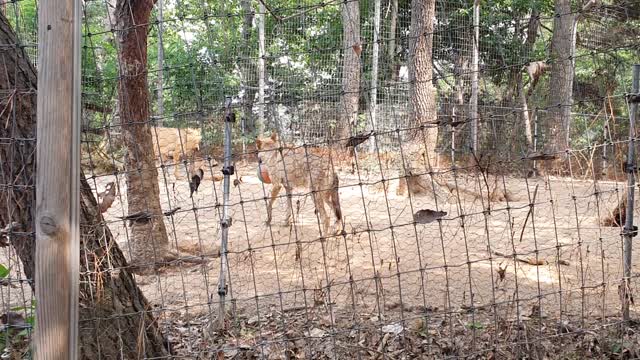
385, 260
386, 266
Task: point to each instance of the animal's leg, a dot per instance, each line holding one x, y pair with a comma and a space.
333, 201
176, 171
319, 198
274, 193
289, 192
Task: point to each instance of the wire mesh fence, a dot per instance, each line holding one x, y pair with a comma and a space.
359, 223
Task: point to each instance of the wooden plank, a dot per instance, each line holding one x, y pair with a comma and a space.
57, 180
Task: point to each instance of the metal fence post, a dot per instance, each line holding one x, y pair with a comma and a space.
629, 230
225, 222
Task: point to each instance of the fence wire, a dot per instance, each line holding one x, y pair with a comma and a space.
406, 245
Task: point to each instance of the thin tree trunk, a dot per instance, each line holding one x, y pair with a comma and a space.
248, 69
374, 70
391, 47
522, 97
160, 85
421, 144
261, 70
532, 35
149, 238
350, 68
473, 102
422, 92
461, 66
561, 83
127, 330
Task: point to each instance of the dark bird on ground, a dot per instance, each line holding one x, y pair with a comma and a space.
194, 183
356, 140
426, 216
4, 233
14, 320
171, 212
139, 217
540, 156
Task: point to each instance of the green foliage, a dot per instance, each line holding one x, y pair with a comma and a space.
15, 336
4, 272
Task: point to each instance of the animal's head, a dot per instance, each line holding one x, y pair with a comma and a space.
270, 143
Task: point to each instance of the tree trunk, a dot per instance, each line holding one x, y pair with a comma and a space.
561, 83
532, 35
391, 46
351, 47
149, 241
420, 144
160, 84
248, 69
107, 290
422, 92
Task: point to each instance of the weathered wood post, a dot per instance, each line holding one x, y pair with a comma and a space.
57, 180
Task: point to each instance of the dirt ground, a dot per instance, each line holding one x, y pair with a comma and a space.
388, 267
386, 273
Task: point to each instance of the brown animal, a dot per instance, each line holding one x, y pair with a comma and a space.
108, 196
175, 144
535, 70
294, 167
170, 142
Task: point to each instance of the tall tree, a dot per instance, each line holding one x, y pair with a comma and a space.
422, 92
422, 102
391, 44
149, 238
248, 73
351, 47
561, 83
115, 321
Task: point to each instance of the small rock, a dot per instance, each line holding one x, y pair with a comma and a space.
230, 353
315, 332
392, 328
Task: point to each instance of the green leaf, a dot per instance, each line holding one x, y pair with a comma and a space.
475, 326
4, 272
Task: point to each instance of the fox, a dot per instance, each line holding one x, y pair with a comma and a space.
290, 167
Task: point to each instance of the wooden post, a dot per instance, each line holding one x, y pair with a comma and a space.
57, 180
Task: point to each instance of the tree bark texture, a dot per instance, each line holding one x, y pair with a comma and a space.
115, 321
248, 69
149, 241
532, 35
561, 82
351, 47
422, 92
391, 46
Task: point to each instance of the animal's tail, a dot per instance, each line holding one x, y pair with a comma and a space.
335, 199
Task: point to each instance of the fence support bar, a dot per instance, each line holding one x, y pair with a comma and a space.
225, 223
629, 230
57, 256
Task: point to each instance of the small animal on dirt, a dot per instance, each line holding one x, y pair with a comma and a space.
108, 196
195, 179
291, 167
426, 216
